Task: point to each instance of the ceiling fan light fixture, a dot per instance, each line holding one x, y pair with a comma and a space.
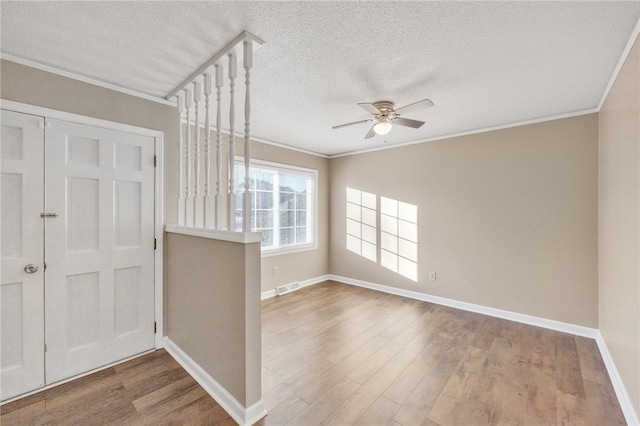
383, 126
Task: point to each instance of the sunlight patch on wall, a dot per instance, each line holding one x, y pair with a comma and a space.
361, 223
399, 237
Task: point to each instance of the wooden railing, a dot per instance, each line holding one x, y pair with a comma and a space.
195, 206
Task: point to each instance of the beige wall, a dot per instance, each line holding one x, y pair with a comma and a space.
507, 219
214, 307
619, 223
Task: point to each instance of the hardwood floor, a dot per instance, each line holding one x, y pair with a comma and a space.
335, 354
150, 390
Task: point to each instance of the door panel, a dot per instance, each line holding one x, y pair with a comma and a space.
21, 229
100, 258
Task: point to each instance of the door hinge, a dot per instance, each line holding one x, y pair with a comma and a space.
44, 265
155, 327
155, 161
45, 347
155, 244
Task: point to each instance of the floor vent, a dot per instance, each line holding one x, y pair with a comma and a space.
287, 288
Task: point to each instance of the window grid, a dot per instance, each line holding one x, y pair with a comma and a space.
283, 205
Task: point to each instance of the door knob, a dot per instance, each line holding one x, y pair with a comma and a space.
30, 268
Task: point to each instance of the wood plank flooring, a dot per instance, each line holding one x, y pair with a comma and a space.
335, 354
150, 390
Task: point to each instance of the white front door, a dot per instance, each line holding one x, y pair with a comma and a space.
99, 249
87, 299
21, 229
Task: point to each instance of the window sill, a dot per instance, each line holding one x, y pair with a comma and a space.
288, 250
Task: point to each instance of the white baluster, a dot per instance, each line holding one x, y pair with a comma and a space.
231, 202
208, 208
188, 189
219, 82
197, 199
181, 193
246, 206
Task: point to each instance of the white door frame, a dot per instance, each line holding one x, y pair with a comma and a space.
159, 184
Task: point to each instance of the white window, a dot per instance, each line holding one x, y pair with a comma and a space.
284, 206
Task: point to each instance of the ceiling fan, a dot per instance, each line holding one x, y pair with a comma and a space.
385, 116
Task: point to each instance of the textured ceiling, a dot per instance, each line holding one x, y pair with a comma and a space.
483, 64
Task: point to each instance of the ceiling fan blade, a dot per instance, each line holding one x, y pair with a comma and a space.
425, 103
369, 107
408, 122
371, 133
350, 124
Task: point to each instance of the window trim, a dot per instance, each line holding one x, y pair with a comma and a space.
281, 167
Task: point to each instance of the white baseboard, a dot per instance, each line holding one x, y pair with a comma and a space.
306, 283
629, 412
564, 327
243, 416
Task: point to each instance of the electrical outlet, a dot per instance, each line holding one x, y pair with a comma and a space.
274, 270
432, 275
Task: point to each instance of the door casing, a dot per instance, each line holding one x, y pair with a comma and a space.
158, 207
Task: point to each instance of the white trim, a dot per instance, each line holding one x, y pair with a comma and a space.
79, 77
629, 412
216, 234
564, 327
159, 236
76, 377
242, 415
159, 184
306, 283
621, 61
473, 132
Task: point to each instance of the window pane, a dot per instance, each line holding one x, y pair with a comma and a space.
264, 219
287, 236
287, 183
264, 200
301, 201
287, 201
264, 180
267, 236
301, 218
301, 235
287, 218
